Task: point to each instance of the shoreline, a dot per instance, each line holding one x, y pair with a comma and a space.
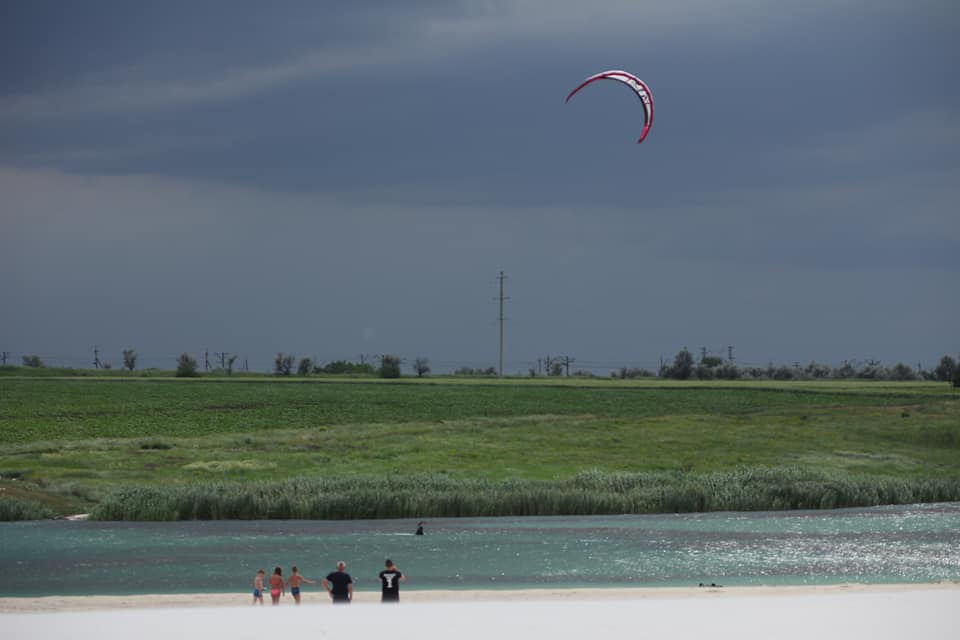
314, 597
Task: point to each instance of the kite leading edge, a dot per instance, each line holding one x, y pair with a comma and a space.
636, 84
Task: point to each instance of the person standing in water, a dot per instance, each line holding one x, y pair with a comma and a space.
342, 590
390, 579
294, 582
420, 528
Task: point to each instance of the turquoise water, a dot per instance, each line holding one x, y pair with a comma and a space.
901, 544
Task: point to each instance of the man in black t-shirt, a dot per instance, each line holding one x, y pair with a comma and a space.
390, 579
342, 590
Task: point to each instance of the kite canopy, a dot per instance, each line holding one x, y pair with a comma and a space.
635, 83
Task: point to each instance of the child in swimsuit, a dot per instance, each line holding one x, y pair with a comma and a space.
294, 583
276, 586
258, 588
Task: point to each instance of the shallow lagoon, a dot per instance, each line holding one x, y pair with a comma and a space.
899, 544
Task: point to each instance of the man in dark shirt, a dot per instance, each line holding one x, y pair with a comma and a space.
342, 590
390, 579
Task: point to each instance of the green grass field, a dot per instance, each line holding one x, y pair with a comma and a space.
67, 443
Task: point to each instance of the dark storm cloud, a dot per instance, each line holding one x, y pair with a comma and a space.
385, 100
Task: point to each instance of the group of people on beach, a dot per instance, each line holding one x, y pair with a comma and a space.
338, 584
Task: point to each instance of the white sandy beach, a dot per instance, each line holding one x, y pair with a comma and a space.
839, 611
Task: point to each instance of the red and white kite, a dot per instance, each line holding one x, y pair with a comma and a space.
635, 83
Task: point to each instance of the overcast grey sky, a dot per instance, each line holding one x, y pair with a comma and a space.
335, 178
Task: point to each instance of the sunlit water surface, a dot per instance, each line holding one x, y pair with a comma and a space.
903, 544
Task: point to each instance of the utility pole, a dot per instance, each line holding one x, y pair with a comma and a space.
566, 363
96, 358
206, 360
501, 299
3, 356
730, 354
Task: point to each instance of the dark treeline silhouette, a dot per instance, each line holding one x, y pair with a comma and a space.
684, 367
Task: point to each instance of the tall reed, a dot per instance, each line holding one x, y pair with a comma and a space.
15, 509
587, 493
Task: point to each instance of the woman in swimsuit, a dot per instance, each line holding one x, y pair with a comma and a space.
258, 588
294, 582
276, 586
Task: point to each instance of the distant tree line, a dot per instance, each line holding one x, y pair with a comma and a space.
390, 365
685, 367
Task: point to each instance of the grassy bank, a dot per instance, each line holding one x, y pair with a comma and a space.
68, 444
